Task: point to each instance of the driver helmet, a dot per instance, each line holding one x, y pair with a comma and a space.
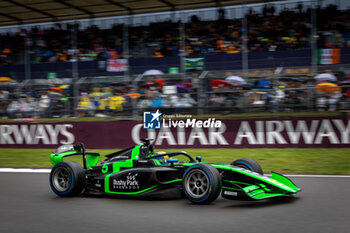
162, 159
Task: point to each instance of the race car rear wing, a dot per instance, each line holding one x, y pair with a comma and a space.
89, 158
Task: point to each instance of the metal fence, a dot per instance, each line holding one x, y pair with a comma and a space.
219, 102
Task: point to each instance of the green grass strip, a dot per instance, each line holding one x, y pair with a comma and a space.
290, 160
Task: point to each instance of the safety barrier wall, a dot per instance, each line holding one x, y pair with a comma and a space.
256, 60
302, 132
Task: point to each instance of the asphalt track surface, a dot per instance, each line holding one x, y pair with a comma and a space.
27, 204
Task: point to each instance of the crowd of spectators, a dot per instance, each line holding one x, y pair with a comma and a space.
282, 94
259, 94
23, 102
267, 31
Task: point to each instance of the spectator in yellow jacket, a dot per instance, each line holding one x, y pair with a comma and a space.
115, 103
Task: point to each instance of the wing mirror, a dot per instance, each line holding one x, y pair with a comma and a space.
172, 161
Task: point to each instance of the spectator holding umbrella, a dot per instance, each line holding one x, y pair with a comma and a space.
327, 76
329, 93
235, 80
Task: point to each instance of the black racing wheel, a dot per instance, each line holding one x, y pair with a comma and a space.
67, 179
201, 183
249, 164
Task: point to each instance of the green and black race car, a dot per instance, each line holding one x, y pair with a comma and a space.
138, 171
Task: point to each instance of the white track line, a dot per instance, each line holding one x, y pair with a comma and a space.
25, 170
39, 170
319, 176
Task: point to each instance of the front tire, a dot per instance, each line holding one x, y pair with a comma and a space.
201, 183
248, 164
67, 179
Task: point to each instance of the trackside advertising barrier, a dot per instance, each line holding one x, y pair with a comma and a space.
280, 132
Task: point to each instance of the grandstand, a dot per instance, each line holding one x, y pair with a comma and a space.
61, 61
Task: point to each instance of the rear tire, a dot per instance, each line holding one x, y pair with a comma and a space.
201, 183
67, 179
248, 164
